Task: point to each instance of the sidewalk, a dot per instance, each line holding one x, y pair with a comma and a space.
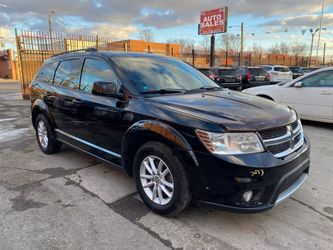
10, 85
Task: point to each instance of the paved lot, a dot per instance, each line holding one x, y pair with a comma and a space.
72, 201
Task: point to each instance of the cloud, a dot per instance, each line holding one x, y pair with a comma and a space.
159, 13
301, 21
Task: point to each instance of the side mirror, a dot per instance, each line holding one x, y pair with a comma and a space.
106, 89
298, 84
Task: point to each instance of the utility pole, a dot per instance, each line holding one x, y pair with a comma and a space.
313, 33
212, 50
324, 54
242, 43
320, 27
50, 30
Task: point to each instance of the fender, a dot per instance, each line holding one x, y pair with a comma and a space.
39, 106
158, 129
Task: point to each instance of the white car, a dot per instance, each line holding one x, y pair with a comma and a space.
277, 73
311, 95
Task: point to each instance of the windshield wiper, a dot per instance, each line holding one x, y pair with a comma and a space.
210, 87
163, 91
205, 88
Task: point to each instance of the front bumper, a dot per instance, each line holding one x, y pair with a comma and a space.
224, 179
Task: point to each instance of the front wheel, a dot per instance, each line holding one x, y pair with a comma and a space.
161, 179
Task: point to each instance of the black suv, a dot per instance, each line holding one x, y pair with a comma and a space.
177, 132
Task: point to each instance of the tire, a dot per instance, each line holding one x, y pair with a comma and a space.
180, 194
48, 144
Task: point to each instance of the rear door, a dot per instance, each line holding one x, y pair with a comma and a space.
66, 100
314, 100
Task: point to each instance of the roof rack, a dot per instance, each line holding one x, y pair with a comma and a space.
77, 50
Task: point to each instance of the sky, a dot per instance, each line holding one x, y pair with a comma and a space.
265, 22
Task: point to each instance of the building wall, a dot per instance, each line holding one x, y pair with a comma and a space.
168, 49
8, 67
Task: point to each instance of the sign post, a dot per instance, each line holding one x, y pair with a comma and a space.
213, 22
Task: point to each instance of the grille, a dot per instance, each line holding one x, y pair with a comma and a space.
282, 141
273, 133
275, 149
297, 138
294, 125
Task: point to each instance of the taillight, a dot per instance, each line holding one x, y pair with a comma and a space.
211, 77
248, 76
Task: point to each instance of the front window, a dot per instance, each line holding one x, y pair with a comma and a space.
320, 79
148, 74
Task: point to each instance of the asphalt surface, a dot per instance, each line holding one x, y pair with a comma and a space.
72, 201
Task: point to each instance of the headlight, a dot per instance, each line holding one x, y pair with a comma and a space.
230, 143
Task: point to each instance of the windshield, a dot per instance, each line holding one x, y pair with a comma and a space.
148, 74
229, 72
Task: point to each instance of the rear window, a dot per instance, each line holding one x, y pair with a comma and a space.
232, 72
296, 69
46, 73
67, 74
266, 68
256, 71
281, 69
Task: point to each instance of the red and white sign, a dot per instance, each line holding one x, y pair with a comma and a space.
214, 21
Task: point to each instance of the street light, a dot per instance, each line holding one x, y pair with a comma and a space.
313, 33
49, 21
3, 5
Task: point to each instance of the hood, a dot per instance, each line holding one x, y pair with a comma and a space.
232, 110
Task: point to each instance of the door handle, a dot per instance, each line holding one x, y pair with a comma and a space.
325, 93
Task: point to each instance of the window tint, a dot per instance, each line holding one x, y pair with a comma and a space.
67, 74
46, 73
96, 70
321, 79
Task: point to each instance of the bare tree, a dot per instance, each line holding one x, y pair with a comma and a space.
257, 49
231, 42
284, 48
274, 49
205, 44
185, 44
297, 49
146, 35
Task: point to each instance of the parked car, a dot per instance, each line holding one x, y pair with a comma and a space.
227, 77
277, 73
297, 71
175, 130
311, 95
252, 76
209, 73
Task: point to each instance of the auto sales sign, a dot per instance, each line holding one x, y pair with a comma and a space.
214, 21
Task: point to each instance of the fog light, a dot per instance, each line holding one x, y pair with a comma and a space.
247, 195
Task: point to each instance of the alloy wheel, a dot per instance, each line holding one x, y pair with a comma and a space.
42, 134
156, 180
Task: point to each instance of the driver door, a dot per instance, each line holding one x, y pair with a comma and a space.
314, 99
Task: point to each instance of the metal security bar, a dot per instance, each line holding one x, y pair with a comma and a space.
34, 47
